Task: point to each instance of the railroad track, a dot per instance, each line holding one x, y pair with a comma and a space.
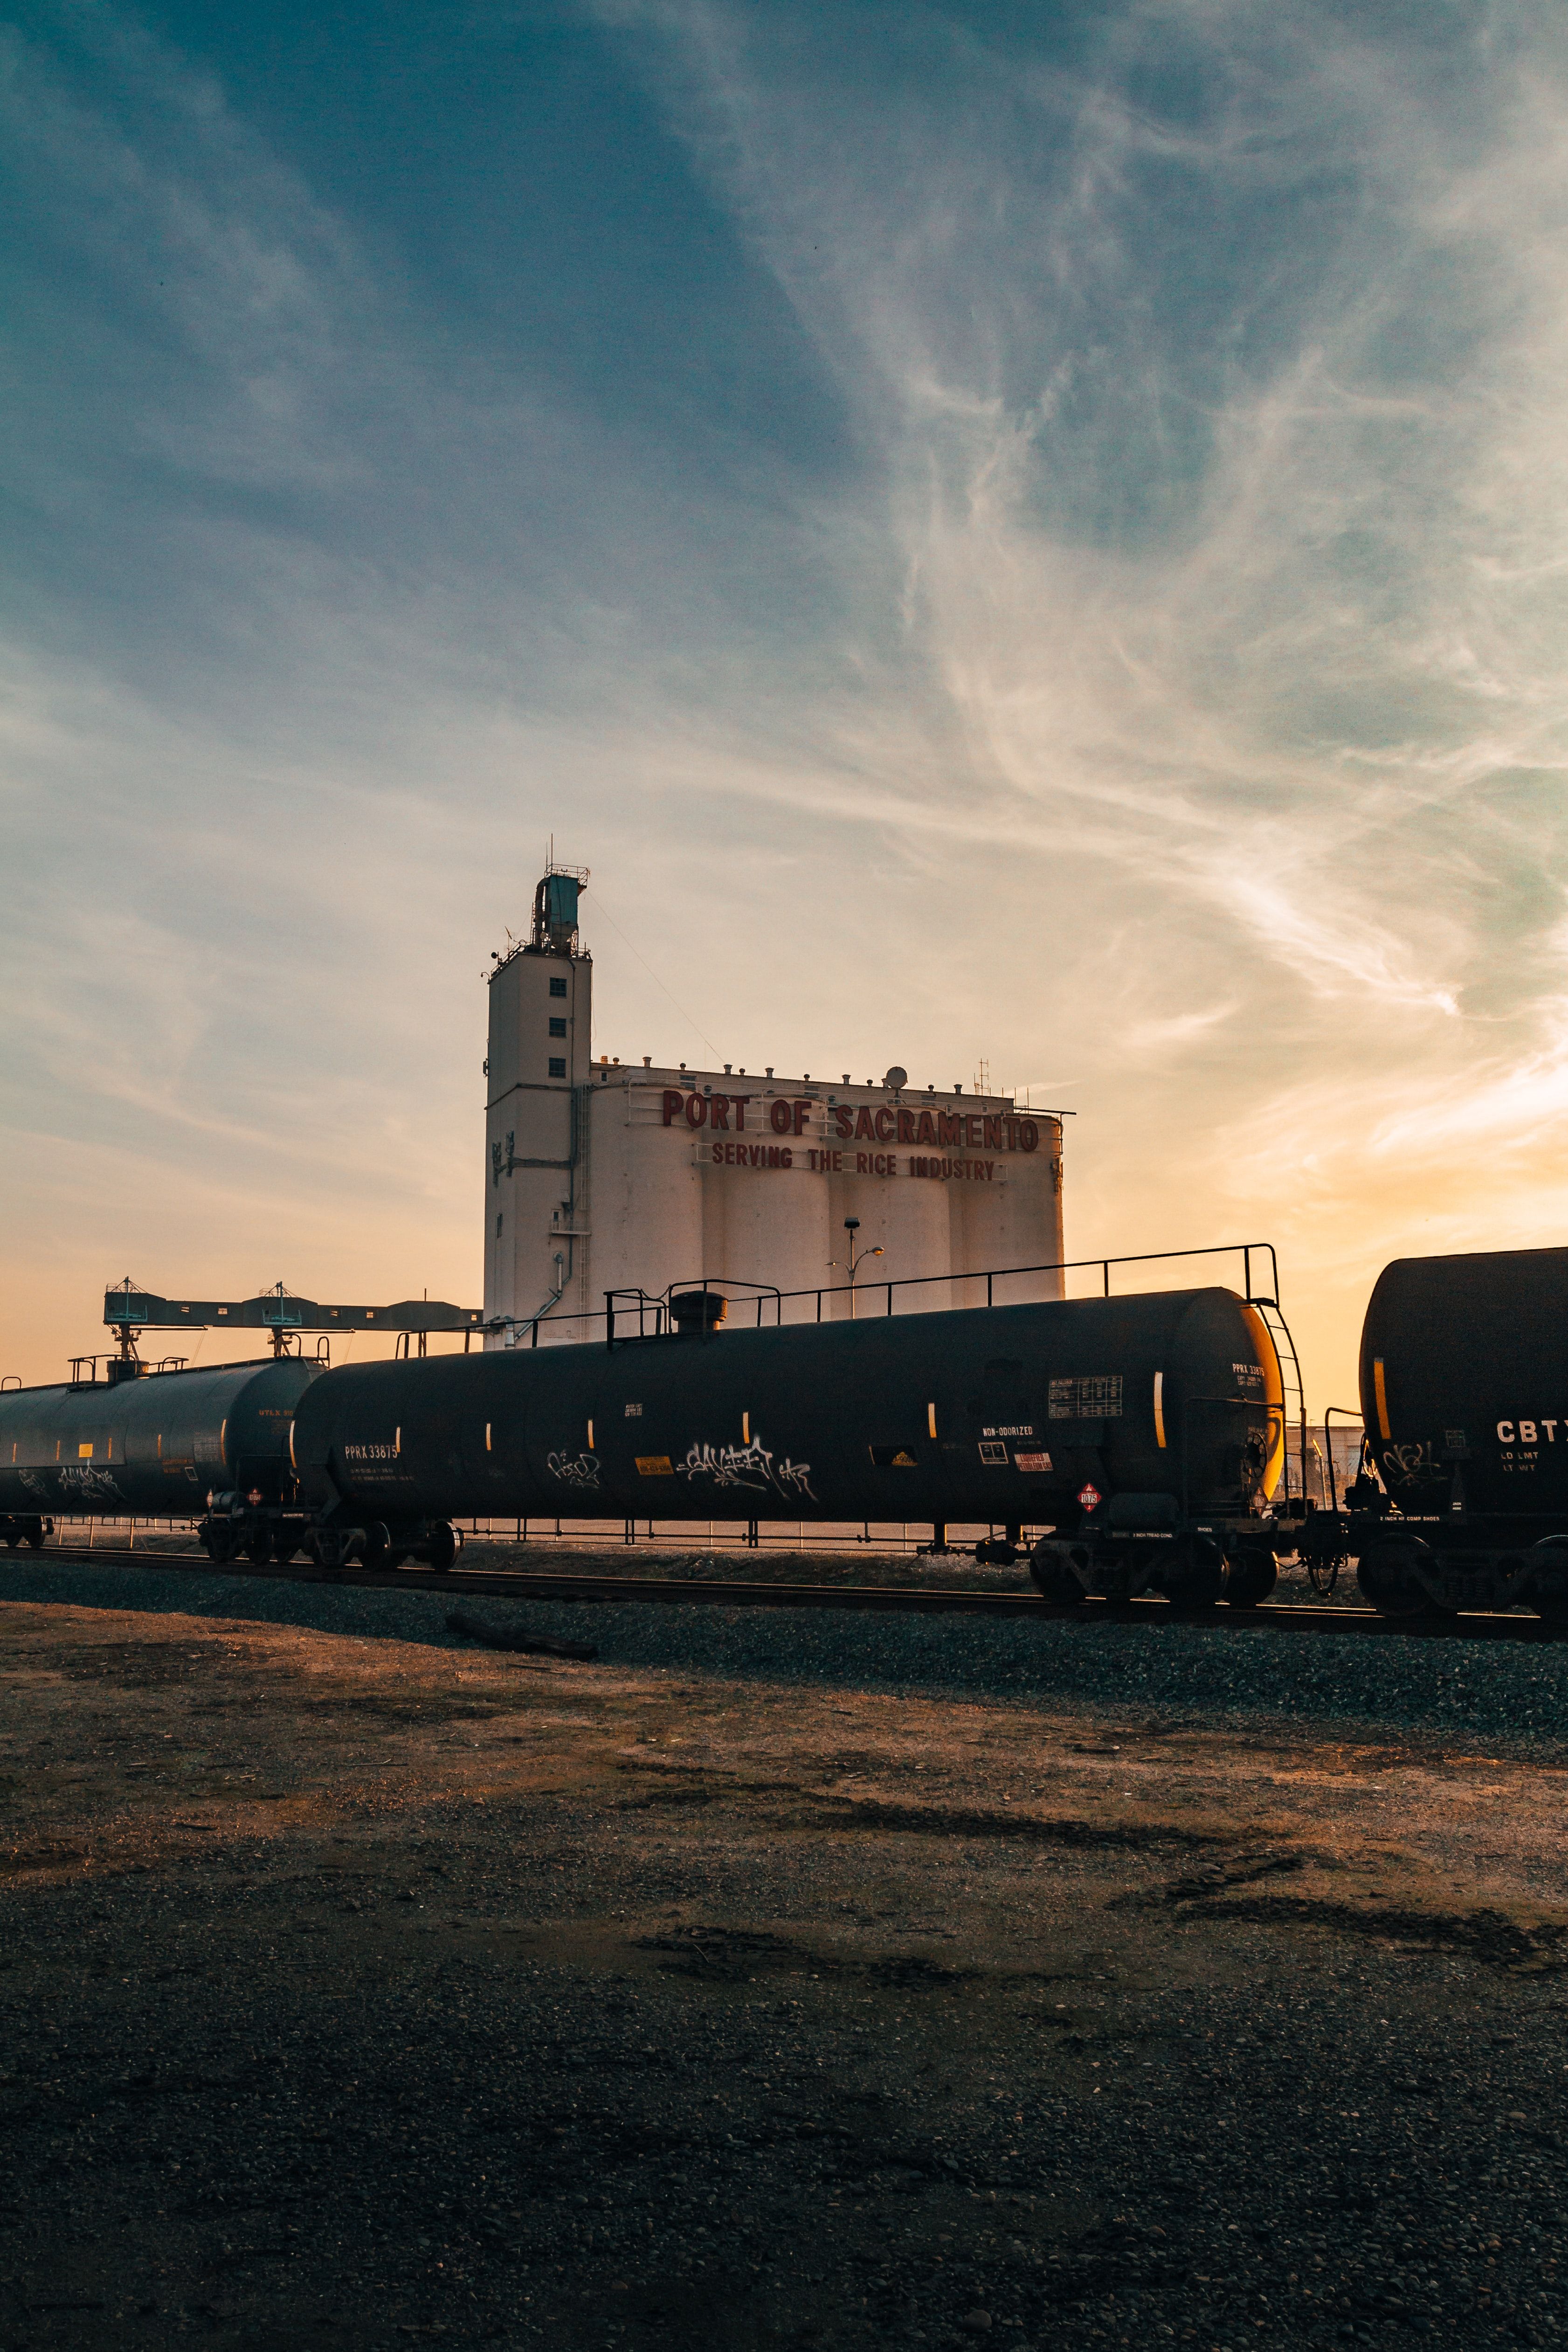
895, 1600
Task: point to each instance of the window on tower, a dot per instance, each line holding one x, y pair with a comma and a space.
557, 1066
557, 988
557, 1027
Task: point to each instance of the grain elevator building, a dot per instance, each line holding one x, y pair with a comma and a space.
600, 1175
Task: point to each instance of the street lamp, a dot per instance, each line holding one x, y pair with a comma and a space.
856, 1258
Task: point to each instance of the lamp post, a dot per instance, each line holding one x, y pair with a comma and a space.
856, 1258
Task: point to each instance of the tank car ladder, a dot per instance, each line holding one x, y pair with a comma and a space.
1278, 1331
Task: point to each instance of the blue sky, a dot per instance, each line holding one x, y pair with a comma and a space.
1013, 532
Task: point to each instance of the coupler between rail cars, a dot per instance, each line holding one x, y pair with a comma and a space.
1142, 1543
24, 1527
243, 1526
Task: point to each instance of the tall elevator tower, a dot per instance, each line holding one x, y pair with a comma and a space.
541, 1032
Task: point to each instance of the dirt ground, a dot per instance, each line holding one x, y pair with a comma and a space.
354, 1991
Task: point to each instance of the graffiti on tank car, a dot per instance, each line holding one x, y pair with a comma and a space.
91, 1485
580, 1470
1407, 1465
747, 1465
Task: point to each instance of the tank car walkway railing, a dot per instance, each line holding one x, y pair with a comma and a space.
1259, 1270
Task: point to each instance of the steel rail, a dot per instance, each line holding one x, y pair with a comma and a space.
891, 1600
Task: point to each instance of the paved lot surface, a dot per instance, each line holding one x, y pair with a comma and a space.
354, 1990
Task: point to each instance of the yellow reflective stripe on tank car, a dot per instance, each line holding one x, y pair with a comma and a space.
292, 1463
1381, 1394
1160, 1410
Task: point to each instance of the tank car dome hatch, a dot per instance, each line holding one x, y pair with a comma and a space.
698, 1310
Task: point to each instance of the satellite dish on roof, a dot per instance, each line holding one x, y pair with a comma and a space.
896, 1077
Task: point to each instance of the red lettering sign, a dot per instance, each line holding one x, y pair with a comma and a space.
974, 1130
673, 1102
751, 1155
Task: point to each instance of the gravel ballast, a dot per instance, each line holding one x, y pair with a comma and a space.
1496, 1691
804, 1984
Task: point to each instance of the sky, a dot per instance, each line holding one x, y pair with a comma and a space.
1026, 533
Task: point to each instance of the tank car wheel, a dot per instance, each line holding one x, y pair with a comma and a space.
1253, 1574
12, 1541
219, 1539
1193, 1574
1050, 1565
440, 1547
36, 1540
257, 1548
1548, 1593
378, 1545
284, 1548
1386, 1575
